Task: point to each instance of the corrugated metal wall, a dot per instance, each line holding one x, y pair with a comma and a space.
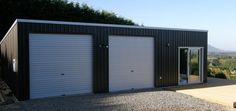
167, 62
9, 50
166, 58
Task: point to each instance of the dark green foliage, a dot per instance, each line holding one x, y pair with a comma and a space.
229, 63
222, 66
194, 68
209, 73
220, 75
215, 62
53, 10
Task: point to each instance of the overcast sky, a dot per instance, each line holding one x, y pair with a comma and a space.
216, 16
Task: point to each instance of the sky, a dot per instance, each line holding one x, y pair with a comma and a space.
216, 16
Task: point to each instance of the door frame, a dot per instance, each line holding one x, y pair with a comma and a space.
201, 64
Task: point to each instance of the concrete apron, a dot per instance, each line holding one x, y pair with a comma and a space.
219, 91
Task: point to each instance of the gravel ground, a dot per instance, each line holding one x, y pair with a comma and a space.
126, 101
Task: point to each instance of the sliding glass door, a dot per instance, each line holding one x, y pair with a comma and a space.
183, 65
190, 65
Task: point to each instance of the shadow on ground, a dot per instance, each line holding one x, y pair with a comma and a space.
100, 102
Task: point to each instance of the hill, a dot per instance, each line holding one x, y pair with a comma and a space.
214, 49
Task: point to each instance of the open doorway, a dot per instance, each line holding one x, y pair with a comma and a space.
190, 65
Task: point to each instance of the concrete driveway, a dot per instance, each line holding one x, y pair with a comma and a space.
143, 100
220, 91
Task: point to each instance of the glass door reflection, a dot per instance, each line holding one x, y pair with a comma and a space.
190, 65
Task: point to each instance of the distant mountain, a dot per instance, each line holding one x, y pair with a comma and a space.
214, 49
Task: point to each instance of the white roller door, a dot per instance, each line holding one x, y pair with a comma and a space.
60, 64
131, 62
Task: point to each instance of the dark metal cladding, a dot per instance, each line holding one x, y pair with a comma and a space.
166, 57
9, 51
167, 63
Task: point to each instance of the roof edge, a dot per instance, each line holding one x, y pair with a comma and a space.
14, 23
104, 25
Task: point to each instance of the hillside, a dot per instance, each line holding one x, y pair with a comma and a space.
60, 10
214, 49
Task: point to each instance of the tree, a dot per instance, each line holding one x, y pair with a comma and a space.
61, 10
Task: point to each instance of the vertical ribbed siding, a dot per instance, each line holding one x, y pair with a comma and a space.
23, 55
9, 51
101, 72
166, 58
168, 64
100, 54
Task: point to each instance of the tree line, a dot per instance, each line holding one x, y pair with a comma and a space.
61, 10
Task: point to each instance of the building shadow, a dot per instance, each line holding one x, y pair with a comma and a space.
82, 102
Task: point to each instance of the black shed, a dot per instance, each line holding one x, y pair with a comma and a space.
41, 58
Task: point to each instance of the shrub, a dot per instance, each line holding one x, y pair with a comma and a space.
220, 75
232, 77
209, 73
